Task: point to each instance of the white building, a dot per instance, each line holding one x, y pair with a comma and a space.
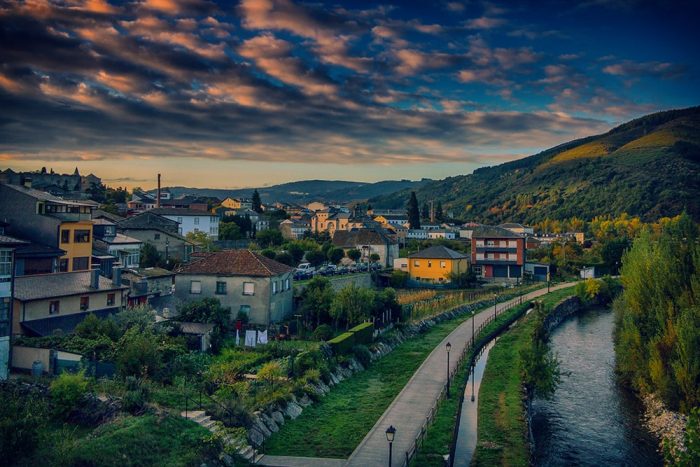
7, 245
191, 220
442, 233
417, 234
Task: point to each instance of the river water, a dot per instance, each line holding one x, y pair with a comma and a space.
591, 420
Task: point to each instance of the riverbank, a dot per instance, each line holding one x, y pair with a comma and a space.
668, 426
502, 418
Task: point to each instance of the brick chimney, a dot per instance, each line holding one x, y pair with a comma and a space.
158, 194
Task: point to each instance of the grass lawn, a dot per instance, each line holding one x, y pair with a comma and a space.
147, 440
502, 429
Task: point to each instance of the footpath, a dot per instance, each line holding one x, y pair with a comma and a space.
410, 409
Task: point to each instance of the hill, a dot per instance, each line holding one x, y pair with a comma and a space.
305, 191
649, 167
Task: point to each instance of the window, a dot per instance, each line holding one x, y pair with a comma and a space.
443, 264
195, 287
110, 299
84, 303
156, 237
4, 317
63, 265
286, 284
221, 288
81, 236
5, 262
416, 264
81, 263
248, 288
430, 264
244, 309
196, 221
274, 286
65, 236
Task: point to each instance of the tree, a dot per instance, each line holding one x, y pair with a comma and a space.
354, 254
317, 299
296, 251
439, 216
257, 204
352, 305
412, 211
612, 252
207, 310
285, 258
229, 231
138, 354
202, 239
269, 253
374, 257
316, 258
269, 237
425, 211
149, 256
540, 368
335, 255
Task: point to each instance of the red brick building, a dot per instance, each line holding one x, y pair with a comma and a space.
497, 253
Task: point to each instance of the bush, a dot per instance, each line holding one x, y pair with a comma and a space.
323, 332
398, 279
362, 354
136, 396
67, 391
22, 415
342, 343
138, 354
364, 333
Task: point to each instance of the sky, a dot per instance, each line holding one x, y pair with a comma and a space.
259, 92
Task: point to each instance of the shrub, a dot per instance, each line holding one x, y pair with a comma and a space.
362, 354
138, 354
398, 279
136, 396
323, 332
67, 391
270, 373
342, 343
22, 415
364, 333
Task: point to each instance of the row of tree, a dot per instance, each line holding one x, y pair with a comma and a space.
657, 335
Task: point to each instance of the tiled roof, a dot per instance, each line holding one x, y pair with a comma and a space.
512, 225
11, 241
44, 196
150, 272
146, 220
487, 231
37, 250
235, 263
438, 252
354, 238
45, 286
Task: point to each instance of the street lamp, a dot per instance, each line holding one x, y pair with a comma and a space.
473, 319
390, 432
448, 346
473, 376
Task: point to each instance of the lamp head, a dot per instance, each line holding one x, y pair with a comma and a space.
448, 346
390, 432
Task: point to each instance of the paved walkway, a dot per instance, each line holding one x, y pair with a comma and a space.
412, 406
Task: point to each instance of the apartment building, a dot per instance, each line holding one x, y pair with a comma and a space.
497, 253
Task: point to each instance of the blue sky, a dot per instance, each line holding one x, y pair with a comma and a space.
259, 92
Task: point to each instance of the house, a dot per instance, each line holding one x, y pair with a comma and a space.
44, 304
43, 218
193, 203
191, 220
110, 242
532, 243
295, 229
7, 245
468, 228
417, 234
435, 264
35, 258
242, 280
145, 284
519, 229
368, 241
316, 206
141, 202
160, 232
536, 271
236, 204
497, 253
442, 233
392, 219
329, 220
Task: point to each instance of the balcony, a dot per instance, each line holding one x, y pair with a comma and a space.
499, 249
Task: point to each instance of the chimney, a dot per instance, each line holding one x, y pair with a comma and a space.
117, 276
95, 279
158, 195
27, 182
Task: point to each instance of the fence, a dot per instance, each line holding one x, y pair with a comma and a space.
470, 347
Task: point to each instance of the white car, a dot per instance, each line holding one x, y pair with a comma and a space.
305, 267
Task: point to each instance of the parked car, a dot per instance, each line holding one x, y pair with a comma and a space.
305, 267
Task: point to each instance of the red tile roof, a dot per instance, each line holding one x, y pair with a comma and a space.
235, 263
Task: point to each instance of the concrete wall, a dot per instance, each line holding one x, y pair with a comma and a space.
24, 357
20, 211
265, 307
208, 223
177, 248
39, 309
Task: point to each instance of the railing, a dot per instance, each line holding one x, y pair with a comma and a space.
420, 438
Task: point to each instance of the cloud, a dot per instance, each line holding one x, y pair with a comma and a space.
485, 22
653, 69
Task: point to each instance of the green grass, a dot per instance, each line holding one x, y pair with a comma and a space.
148, 440
502, 429
335, 425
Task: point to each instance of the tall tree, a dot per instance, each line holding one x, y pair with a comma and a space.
439, 215
257, 204
413, 212
425, 211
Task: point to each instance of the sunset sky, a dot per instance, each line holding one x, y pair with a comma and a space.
229, 94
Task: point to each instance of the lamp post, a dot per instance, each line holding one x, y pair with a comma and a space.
448, 346
473, 376
473, 319
547, 281
390, 432
495, 301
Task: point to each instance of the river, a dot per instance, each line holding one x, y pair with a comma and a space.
591, 420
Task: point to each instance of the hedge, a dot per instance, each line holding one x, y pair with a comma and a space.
364, 333
342, 343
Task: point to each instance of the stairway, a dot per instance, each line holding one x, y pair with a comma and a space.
241, 445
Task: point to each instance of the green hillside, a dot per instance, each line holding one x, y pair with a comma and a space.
648, 167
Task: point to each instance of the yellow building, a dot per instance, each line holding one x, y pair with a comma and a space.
435, 264
75, 238
329, 221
